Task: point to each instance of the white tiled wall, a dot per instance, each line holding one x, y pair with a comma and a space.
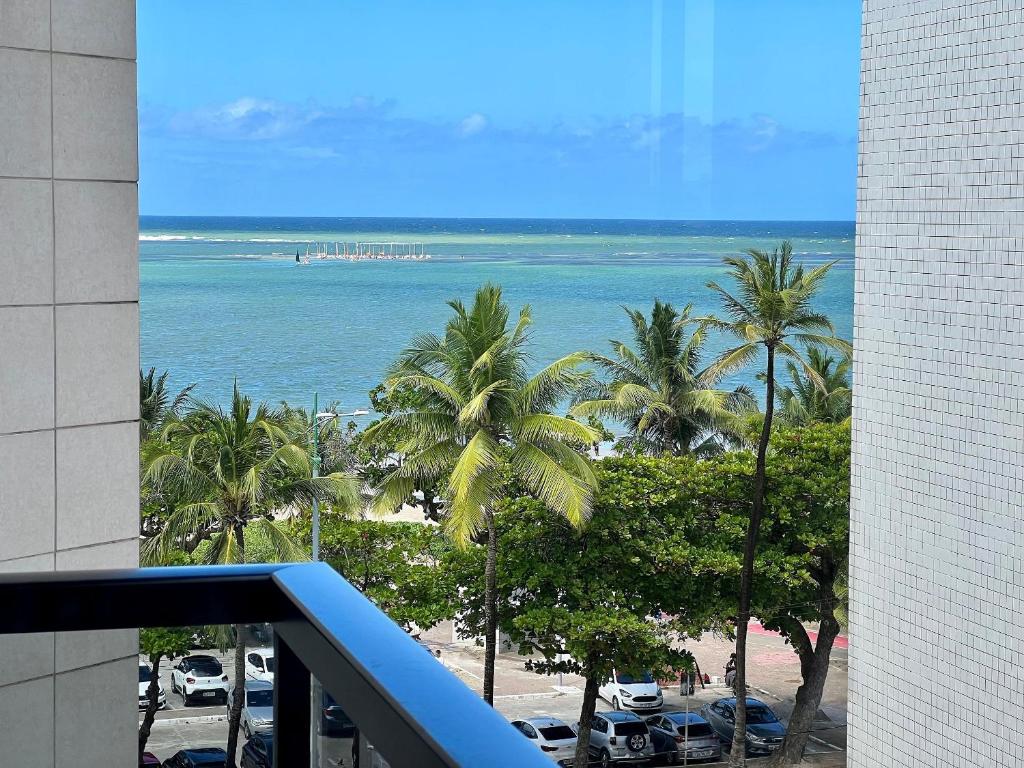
937, 530
69, 356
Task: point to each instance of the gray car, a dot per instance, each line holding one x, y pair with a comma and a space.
257, 708
683, 734
765, 733
619, 737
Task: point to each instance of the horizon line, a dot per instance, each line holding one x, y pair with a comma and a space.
487, 218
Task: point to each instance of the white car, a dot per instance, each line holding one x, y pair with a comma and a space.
200, 678
628, 691
145, 674
554, 738
259, 664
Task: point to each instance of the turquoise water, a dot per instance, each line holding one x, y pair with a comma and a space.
223, 297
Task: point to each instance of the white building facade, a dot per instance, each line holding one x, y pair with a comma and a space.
937, 538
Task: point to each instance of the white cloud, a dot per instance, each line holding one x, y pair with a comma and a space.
473, 124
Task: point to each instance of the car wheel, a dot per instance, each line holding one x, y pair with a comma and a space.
605, 758
615, 703
184, 697
246, 731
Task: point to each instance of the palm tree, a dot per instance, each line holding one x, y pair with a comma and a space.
228, 472
156, 405
827, 397
770, 311
659, 390
475, 417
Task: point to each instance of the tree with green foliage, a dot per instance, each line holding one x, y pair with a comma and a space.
809, 506
157, 644
582, 601
396, 565
771, 312
826, 397
474, 418
659, 389
156, 405
228, 472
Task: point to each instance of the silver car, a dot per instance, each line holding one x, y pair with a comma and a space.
619, 737
257, 707
683, 734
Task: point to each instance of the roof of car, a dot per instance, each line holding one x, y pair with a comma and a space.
544, 721
618, 717
201, 657
731, 701
263, 651
682, 717
205, 755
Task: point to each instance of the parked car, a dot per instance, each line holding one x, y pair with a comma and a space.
200, 678
145, 674
619, 737
257, 707
334, 723
764, 731
631, 691
259, 664
676, 734
203, 757
148, 760
555, 738
258, 751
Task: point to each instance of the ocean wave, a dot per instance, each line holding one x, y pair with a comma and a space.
161, 238
205, 239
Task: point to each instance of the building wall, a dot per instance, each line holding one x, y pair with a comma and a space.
937, 534
69, 355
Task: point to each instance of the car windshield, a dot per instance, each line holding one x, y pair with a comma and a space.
260, 698
626, 679
206, 667
630, 727
760, 715
556, 732
145, 674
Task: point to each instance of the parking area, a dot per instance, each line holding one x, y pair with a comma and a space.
519, 694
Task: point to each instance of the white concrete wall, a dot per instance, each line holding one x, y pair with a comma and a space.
937, 537
69, 354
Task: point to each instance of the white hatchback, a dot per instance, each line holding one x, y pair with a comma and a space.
200, 678
259, 664
554, 738
627, 691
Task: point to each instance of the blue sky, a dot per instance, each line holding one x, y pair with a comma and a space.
682, 109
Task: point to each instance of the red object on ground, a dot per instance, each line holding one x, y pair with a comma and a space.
755, 628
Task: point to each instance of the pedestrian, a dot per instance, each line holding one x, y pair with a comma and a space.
730, 670
437, 655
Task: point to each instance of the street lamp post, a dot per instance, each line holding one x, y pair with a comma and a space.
319, 421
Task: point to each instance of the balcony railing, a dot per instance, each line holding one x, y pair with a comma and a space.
413, 709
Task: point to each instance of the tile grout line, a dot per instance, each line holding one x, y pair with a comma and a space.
53, 286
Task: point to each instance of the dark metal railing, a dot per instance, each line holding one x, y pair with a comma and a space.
413, 709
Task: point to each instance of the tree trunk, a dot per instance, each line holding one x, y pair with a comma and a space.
153, 692
814, 670
238, 695
586, 715
490, 606
738, 757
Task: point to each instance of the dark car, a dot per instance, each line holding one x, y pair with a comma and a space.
258, 751
149, 759
204, 757
676, 735
334, 722
764, 731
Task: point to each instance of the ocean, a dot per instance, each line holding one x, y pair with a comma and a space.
223, 299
